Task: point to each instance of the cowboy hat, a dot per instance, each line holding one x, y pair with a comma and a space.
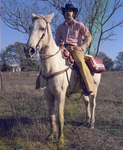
69, 6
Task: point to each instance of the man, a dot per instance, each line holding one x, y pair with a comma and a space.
70, 33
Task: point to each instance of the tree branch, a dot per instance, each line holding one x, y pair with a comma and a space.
113, 27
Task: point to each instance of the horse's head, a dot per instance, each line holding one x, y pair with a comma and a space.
38, 37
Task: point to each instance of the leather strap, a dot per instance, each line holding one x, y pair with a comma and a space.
41, 55
54, 74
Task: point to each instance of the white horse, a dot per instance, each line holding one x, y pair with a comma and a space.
65, 83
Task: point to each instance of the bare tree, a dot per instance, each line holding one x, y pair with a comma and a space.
105, 18
95, 14
17, 14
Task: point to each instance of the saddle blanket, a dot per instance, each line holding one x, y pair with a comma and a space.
95, 65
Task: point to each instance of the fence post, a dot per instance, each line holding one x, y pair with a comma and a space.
1, 80
18, 73
9, 73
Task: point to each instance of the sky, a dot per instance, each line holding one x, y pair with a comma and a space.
110, 48
10, 36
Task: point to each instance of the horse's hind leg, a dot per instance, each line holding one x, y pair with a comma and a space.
88, 113
90, 104
97, 78
93, 106
51, 107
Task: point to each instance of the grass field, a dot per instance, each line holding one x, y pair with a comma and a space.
24, 116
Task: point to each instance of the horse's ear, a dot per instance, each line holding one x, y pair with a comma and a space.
33, 15
49, 17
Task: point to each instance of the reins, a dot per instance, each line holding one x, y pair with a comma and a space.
41, 55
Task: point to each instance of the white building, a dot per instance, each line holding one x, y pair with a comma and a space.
15, 68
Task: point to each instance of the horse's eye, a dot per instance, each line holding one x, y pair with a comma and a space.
42, 29
30, 27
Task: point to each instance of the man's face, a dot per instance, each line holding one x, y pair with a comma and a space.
69, 14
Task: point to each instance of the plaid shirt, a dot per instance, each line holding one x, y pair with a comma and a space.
73, 34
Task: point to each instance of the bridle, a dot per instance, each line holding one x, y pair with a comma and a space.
38, 44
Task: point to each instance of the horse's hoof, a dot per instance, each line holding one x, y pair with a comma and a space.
87, 124
51, 137
60, 144
91, 127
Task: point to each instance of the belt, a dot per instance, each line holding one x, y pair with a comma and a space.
68, 45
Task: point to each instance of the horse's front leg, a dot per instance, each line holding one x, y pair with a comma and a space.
97, 78
61, 102
51, 107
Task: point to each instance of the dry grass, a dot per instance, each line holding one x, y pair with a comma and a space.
24, 116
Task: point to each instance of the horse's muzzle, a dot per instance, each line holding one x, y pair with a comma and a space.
30, 52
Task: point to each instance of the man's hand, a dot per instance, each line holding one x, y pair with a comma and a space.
61, 43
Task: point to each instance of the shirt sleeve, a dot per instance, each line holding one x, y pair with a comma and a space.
87, 37
58, 36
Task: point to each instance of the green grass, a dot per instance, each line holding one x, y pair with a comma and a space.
24, 118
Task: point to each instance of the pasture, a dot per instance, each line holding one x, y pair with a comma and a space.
24, 118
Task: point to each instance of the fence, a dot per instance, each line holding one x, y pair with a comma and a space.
19, 74
23, 73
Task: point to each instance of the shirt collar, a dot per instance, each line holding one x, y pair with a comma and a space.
71, 23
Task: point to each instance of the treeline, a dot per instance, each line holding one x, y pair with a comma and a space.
14, 54
111, 65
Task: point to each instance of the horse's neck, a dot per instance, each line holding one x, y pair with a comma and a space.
51, 64
50, 45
